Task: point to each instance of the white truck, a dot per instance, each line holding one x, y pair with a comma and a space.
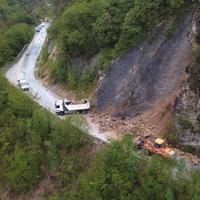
69, 107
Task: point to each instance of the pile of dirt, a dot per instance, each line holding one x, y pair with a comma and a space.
151, 123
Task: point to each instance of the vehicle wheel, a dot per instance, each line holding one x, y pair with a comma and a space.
61, 113
85, 111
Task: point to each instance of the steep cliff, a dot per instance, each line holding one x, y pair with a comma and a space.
149, 73
188, 102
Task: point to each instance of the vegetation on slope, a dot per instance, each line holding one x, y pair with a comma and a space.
13, 40
194, 79
20, 11
34, 143
119, 172
87, 26
108, 26
16, 21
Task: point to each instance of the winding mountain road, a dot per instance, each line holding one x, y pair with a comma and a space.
25, 69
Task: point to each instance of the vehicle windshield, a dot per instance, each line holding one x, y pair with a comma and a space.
57, 106
25, 84
22, 81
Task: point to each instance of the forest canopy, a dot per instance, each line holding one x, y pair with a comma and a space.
85, 27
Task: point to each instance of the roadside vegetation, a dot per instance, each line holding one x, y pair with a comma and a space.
17, 20
194, 78
33, 143
13, 40
21, 11
118, 172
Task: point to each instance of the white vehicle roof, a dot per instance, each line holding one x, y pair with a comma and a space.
59, 106
22, 81
59, 102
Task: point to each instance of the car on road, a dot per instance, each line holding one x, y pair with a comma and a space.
23, 84
37, 29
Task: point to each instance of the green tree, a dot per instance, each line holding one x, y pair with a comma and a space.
24, 169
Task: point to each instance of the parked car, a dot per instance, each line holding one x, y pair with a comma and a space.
37, 29
23, 84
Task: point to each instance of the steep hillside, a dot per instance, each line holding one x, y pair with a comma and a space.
90, 34
133, 53
187, 134
149, 73
35, 146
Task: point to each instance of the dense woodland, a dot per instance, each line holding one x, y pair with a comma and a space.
17, 19
35, 145
20, 11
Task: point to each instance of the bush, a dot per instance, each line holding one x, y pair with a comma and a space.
184, 122
33, 142
119, 173
171, 133
24, 168
194, 77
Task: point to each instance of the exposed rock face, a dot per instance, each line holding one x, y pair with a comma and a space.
188, 103
195, 34
188, 107
148, 73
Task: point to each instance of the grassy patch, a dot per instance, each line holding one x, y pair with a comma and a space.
184, 122
194, 78
105, 58
171, 133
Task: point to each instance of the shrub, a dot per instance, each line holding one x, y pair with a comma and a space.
171, 134
184, 122
194, 77
33, 142
13, 40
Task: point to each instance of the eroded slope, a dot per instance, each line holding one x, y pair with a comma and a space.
149, 73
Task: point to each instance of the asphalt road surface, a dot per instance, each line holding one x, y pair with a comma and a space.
25, 69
